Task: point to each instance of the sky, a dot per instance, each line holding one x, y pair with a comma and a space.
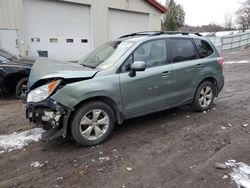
203, 12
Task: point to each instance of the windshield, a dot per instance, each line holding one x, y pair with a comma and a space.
7, 55
106, 55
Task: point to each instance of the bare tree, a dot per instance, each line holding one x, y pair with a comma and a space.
243, 15
228, 21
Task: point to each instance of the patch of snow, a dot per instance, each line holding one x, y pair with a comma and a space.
224, 33
59, 178
240, 173
237, 62
35, 164
225, 177
19, 140
104, 159
245, 125
129, 168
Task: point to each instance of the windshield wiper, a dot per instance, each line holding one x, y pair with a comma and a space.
88, 66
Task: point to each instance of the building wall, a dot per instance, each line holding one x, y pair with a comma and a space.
11, 16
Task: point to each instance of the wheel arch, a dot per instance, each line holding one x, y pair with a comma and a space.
10, 82
106, 100
213, 81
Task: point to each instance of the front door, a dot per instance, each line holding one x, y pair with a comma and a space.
149, 90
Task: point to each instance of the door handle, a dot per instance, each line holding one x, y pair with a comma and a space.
165, 74
198, 65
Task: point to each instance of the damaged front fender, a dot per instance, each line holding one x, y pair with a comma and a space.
73, 94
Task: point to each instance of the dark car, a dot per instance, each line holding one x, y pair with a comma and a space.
14, 73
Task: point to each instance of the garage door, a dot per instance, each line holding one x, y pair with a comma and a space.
56, 29
8, 40
125, 22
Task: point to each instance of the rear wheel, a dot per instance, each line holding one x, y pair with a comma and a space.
92, 123
22, 86
204, 96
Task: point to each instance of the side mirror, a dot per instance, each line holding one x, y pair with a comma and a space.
137, 66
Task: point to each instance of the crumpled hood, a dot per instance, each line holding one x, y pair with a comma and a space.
45, 68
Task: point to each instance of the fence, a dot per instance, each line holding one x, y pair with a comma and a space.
231, 42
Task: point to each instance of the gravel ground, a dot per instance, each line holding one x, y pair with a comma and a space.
173, 148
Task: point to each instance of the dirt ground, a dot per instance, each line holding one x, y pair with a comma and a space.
173, 148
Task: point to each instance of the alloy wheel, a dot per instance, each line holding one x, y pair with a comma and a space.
206, 96
94, 124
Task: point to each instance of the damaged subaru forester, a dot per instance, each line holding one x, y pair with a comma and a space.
135, 75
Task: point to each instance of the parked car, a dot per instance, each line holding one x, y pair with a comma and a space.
14, 72
135, 75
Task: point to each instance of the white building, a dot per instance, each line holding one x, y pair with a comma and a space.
68, 29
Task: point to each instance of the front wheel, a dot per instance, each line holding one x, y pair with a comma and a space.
204, 96
92, 123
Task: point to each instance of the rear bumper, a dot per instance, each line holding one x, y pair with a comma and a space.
49, 115
221, 84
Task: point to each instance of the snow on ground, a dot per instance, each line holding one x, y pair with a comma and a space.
35, 164
19, 140
237, 62
240, 173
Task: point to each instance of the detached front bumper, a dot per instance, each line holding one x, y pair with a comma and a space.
49, 115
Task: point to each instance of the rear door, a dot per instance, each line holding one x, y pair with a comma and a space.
149, 90
186, 67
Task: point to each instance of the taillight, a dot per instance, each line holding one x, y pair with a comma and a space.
221, 61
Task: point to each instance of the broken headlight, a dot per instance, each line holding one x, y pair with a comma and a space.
42, 92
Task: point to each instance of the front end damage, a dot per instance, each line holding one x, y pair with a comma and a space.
49, 115
45, 82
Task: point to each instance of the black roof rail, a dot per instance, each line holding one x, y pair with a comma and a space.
176, 33
155, 33
142, 33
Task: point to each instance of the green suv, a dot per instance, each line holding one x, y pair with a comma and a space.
135, 75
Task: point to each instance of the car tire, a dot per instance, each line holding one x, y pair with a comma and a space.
204, 96
21, 86
92, 123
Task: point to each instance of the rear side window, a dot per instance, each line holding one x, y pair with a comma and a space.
203, 47
182, 50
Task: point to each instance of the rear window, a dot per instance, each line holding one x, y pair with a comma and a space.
182, 50
203, 47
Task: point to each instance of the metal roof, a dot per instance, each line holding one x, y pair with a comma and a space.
157, 5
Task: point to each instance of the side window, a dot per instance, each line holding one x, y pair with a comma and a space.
127, 63
153, 53
182, 50
203, 47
